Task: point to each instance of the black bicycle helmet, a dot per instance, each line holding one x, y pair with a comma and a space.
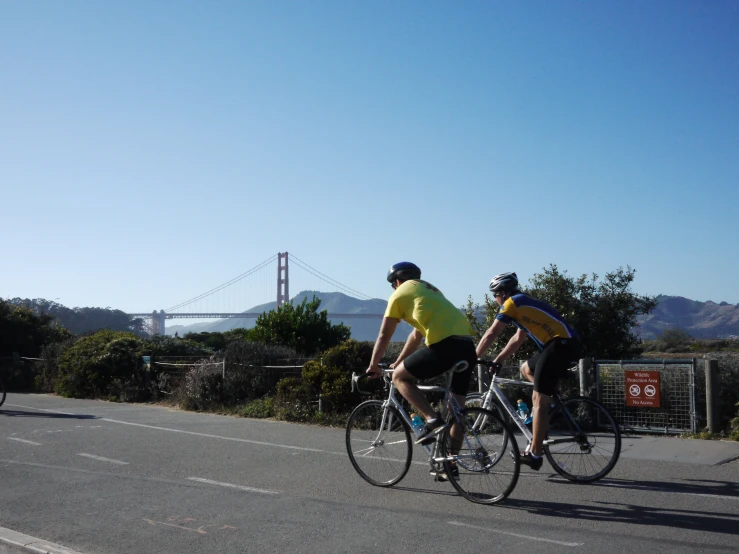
505, 281
403, 271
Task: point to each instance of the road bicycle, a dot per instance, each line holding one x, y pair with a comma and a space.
380, 447
583, 443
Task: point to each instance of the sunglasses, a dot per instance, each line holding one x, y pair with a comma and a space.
498, 294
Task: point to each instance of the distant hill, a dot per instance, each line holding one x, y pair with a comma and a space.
332, 302
702, 320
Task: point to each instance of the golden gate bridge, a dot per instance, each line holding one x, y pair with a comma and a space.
247, 289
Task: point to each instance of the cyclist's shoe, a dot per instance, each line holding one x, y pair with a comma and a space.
534, 463
443, 476
432, 430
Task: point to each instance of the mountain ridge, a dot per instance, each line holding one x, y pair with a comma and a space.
699, 319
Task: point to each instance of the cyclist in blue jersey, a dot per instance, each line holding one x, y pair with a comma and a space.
558, 345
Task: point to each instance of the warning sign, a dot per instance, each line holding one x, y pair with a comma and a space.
642, 389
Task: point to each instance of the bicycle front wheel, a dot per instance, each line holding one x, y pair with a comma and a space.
487, 458
379, 443
2, 393
585, 440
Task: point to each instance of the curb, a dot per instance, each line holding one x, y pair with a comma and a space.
12, 542
728, 460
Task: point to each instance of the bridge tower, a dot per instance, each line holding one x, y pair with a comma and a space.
283, 281
157, 322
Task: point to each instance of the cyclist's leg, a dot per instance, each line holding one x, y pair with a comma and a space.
549, 367
544, 369
456, 433
405, 383
462, 350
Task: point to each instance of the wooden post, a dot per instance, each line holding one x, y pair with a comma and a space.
712, 389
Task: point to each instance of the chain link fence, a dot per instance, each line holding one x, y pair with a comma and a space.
677, 410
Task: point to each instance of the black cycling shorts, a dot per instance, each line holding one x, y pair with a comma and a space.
551, 364
441, 356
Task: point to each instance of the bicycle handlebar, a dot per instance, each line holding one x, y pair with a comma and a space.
494, 367
386, 370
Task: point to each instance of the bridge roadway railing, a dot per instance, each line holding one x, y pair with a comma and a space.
238, 315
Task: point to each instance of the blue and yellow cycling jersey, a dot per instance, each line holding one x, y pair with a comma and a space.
542, 322
424, 306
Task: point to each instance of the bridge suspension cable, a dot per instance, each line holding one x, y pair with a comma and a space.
350, 291
224, 285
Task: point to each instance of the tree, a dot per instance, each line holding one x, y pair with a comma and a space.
675, 338
603, 312
26, 332
301, 327
83, 320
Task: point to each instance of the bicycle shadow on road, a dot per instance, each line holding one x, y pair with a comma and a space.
683, 486
18, 413
714, 522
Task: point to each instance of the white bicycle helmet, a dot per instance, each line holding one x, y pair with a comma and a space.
505, 281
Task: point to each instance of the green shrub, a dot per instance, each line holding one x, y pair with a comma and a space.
101, 365
259, 408
292, 401
327, 377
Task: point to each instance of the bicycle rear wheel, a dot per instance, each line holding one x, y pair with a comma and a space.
585, 447
488, 460
2, 393
379, 443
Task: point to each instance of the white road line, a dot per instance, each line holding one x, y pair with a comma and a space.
101, 459
24, 441
40, 409
231, 486
220, 437
561, 543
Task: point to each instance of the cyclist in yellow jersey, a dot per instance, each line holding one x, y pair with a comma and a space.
558, 346
448, 338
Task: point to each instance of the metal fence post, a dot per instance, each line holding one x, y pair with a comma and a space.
584, 366
712, 390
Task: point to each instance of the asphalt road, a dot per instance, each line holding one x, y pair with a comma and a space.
99, 477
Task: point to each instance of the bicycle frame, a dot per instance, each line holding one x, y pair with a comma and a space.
495, 389
392, 400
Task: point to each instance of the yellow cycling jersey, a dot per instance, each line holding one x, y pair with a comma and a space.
424, 307
540, 320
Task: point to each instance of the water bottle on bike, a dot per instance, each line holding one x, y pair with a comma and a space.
523, 412
417, 424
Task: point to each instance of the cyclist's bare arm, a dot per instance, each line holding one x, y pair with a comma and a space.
489, 337
387, 329
411, 345
512, 347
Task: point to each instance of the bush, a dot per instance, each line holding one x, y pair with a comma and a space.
258, 409
328, 378
106, 364
246, 379
203, 388
47, 370
292, 401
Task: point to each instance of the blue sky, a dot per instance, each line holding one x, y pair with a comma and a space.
150, 151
